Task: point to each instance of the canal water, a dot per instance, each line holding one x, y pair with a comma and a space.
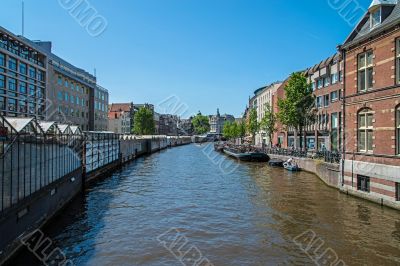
227, 213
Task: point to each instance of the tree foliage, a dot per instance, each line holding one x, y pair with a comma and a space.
268, 122
144, 122
297, 109
252, 124
201, 124
234, 130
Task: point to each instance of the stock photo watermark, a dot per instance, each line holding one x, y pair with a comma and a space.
226, 165
86, 15
43, 248
314, 247
349, 10
178, 245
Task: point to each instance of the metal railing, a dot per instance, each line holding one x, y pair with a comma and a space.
327, 156
31, 160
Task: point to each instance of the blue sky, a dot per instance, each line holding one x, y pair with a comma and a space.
208, 53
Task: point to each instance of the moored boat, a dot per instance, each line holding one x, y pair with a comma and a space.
247, 156
291, 165
276, 162
218, 147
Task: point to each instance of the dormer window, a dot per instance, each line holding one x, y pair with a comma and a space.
376, 17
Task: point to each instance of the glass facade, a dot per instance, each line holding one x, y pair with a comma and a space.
22, 79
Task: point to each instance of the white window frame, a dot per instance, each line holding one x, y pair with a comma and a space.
366, 129
336, 98
364, 65
398, 60
373, 21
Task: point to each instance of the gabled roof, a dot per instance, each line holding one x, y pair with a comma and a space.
49, 126
119, 107
75, 130
64, 129
21, 124
363, 31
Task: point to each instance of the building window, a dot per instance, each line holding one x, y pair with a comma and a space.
319, 102
32, 90
22, 68
398, 60
326, 100
22, 87
2, 82
66, 98
2, 103
398, 129
375, 17
365, 70
60, 96
397, 191
313, 86
12, 105
12, 84
32, 73
363, 183
320, 84
40, 75
59, 80
334, 78
12, 64
22, 106
334, 96
326, 81
2, 59
365, 131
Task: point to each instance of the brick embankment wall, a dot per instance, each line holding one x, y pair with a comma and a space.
331, 175
327, 172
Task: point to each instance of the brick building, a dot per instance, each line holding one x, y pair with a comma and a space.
372, 104
120, 118
326, 80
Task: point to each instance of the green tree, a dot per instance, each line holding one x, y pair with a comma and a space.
268, 122
227, 131
252, 124
297, 109
144, 122
242, 130
201, 124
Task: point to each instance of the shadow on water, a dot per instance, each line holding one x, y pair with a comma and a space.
76, 226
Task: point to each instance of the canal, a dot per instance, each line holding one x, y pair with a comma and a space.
233, 213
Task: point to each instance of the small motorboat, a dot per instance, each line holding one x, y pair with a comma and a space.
276, 162
291, 165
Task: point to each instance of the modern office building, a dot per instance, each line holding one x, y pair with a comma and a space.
23, 77
68, 93
99, 109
